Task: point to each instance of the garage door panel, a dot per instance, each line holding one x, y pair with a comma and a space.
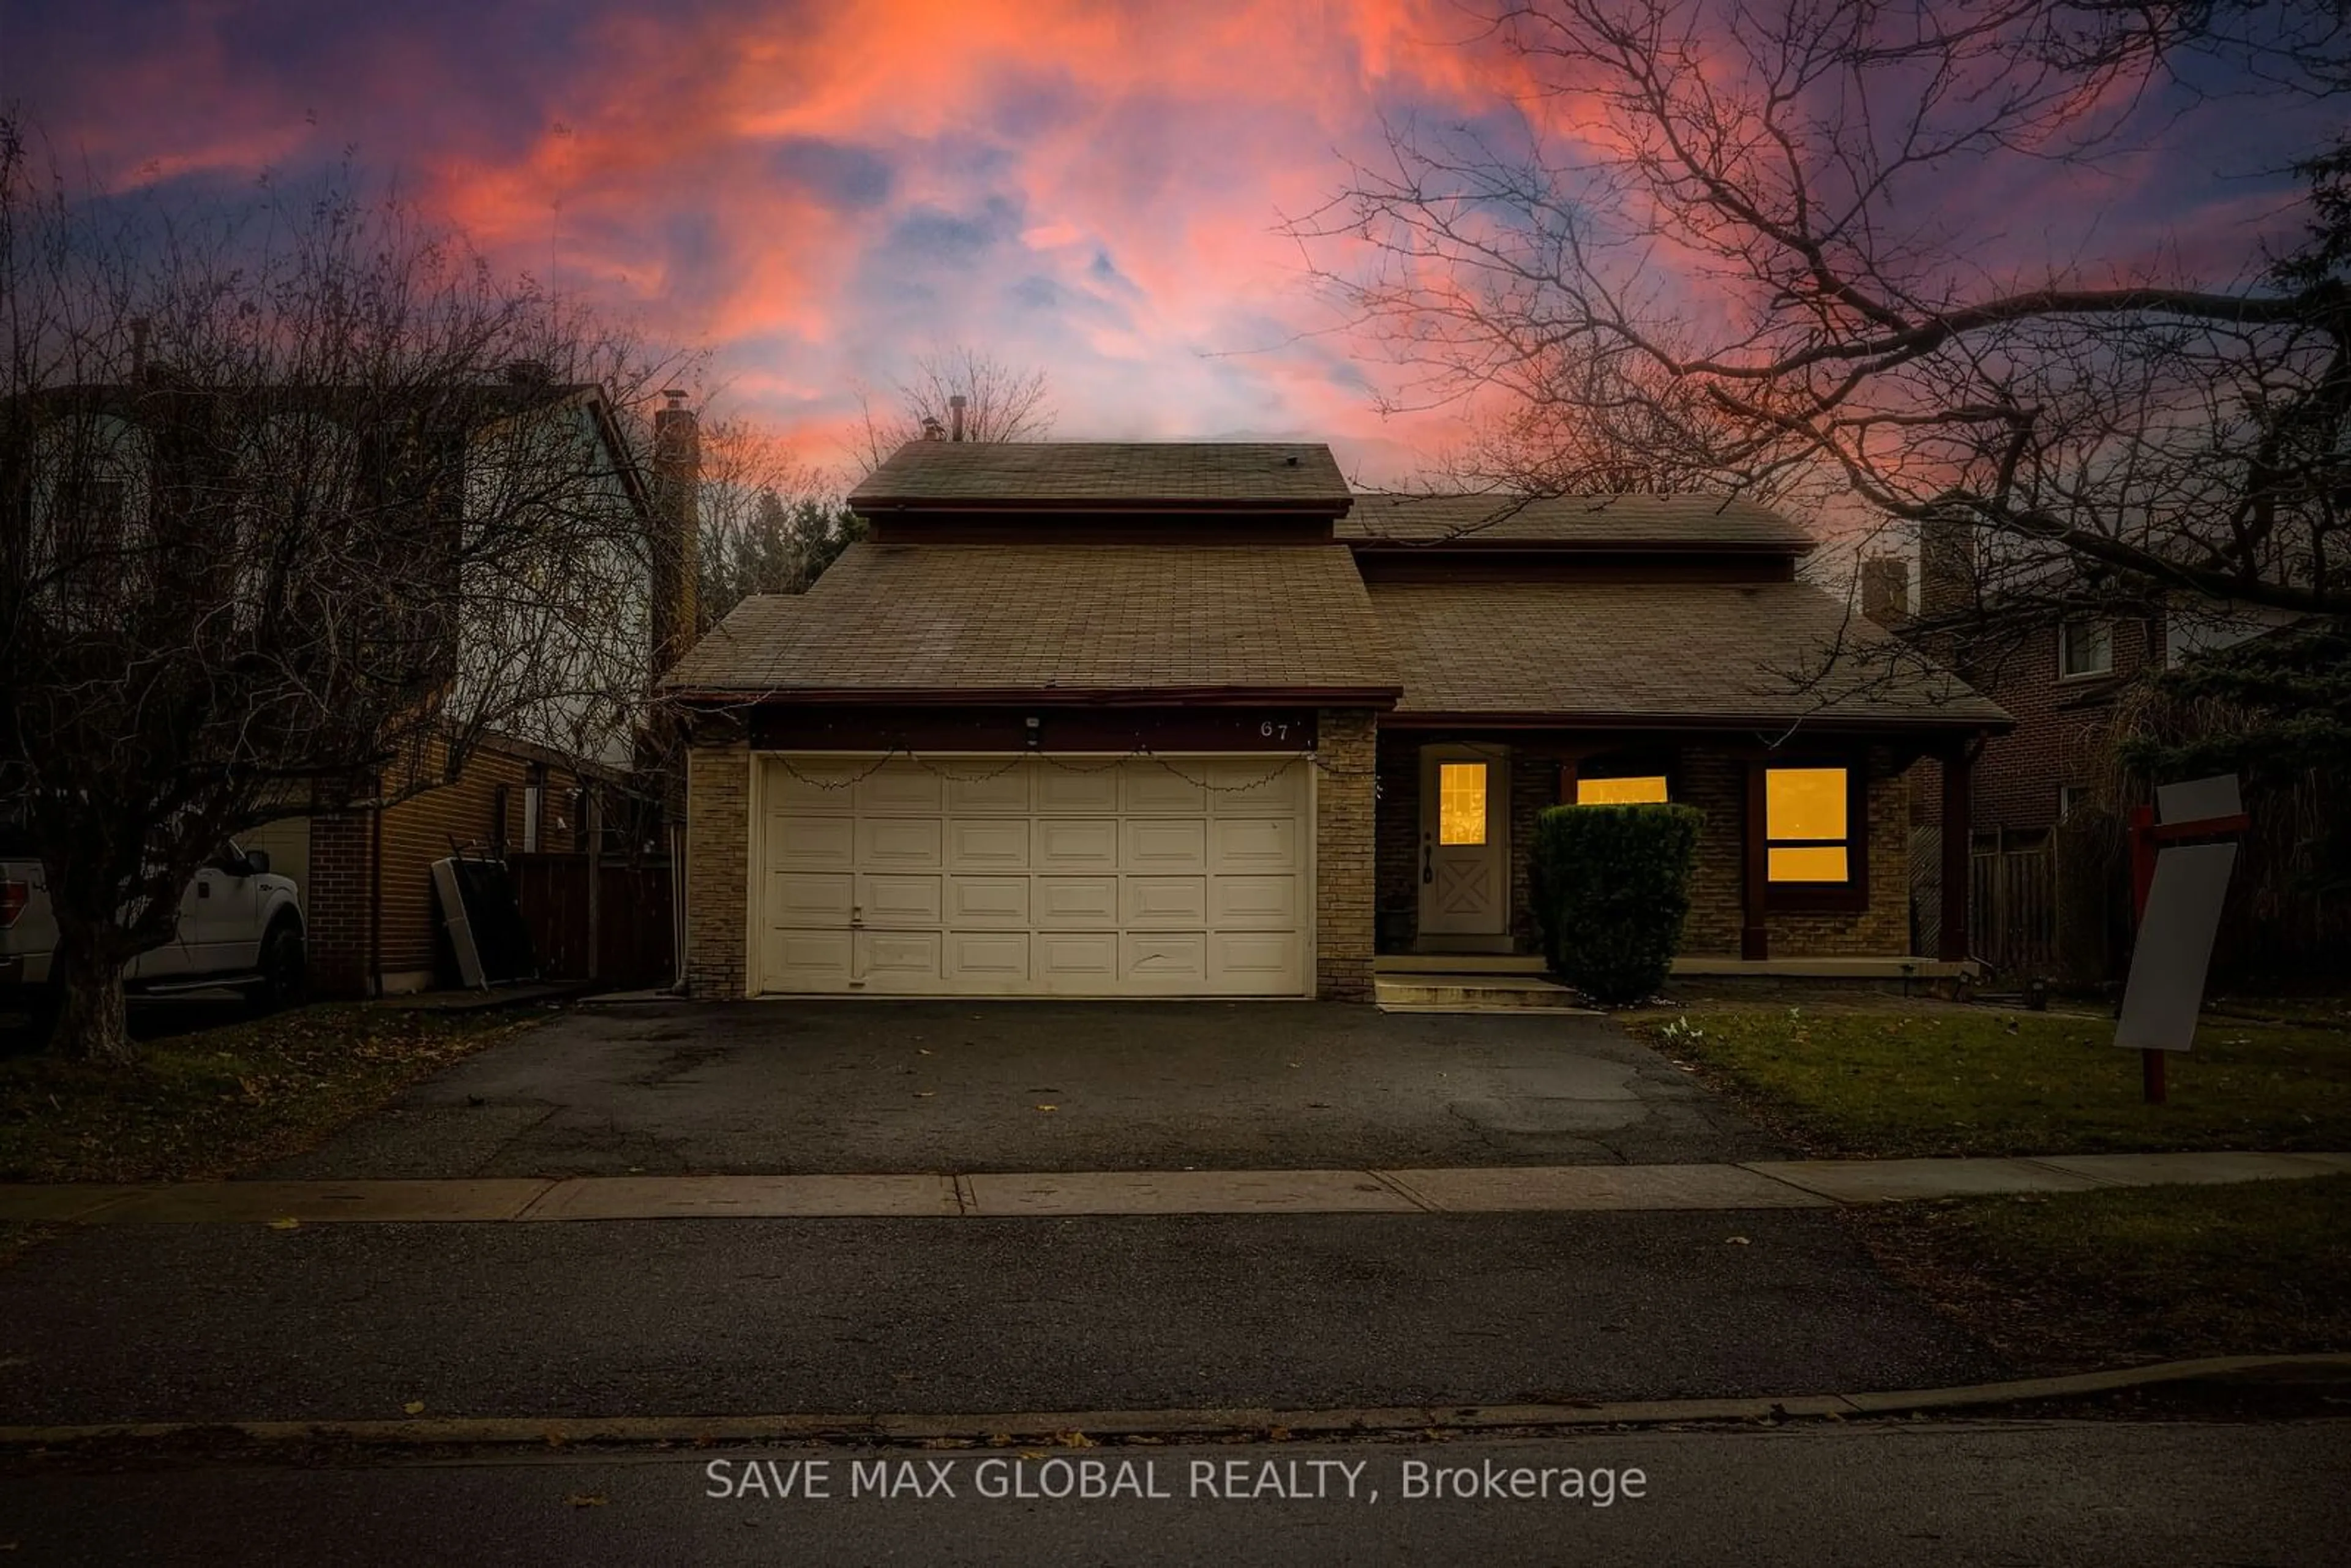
1254, 962
809, 898
902, 790
1067, 789
1075, 903
899, 960
806, 843
806, 785
986, 793
996, 902
1254, 788
991, 957
1066, 959
896, 899
1168, 903
1253, 843
1165, 958
796, 960
1147, 787
1086, 844
988, 844
1253, 904
1163, 846
910, 842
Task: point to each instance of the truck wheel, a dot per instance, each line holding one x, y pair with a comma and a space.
280, 984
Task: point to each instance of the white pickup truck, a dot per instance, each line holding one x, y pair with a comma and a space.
239, 928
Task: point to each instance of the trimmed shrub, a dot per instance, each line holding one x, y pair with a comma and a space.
1610, 886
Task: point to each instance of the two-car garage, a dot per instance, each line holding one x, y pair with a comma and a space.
1032, 874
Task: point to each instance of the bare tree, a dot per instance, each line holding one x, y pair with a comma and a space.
298, 504
768, 523
999, 403
1736, 268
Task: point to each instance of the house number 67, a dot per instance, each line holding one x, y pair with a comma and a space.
1278, 731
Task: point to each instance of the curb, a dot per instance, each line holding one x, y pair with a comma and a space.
1078, 1428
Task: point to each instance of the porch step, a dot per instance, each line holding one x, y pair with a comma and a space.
1472, 993
1479, 964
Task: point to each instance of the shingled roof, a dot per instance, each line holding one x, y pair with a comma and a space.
1606, 522
1669, 651
971, 622
1045, 476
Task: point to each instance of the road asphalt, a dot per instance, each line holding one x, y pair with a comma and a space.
853, 1087
244, 1322
1817, 1496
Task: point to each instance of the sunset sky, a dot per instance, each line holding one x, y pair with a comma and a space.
818, 190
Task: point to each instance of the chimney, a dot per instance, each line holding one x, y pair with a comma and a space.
1946, 568
932, 429
955, 412
1885, 590
676, 484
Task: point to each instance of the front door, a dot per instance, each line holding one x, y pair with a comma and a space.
1464, 877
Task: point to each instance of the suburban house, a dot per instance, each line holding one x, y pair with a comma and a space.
1088, 719
585, 826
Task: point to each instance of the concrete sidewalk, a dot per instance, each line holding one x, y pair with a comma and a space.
1755, 1184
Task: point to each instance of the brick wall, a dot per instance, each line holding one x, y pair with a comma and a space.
2060, 728
717, 866
1397, 847
1345, 835
1715, 783
335, 904
1534, 789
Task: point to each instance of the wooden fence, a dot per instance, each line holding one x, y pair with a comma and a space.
633, 923
2012, 906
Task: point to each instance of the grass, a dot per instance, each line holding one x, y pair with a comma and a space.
2066, 1280
211, 1105
1887, 1084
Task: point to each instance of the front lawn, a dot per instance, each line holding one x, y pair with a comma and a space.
2067, 1280
1882, 1085
210, 1105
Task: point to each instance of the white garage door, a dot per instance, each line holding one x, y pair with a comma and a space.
1021, 876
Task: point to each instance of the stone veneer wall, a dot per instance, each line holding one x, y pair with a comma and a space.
1343, 857
717, 866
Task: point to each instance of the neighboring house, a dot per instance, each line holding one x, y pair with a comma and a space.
360, 856
1086, 719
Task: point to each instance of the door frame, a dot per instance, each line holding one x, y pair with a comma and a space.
1497, 846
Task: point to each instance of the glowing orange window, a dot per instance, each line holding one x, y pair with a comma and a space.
1460, 802
1807, 825
1620, 791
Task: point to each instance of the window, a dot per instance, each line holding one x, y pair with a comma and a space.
2085, 648
2071, 798
1620, 791
1808, 825
1460, 802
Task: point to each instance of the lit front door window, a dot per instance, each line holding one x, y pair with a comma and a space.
1461, 803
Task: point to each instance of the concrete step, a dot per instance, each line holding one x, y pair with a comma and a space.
1472, 993
1479, 964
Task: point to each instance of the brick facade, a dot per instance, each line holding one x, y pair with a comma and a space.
335, 904
1345, 829
717, 867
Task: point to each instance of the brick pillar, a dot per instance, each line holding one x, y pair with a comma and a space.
717, 868
1345, 830
1958, 770
335, 913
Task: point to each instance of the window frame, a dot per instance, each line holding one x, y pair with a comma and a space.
2065, 629
1848, 896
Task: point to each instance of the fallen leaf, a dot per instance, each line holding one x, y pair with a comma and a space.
587, 1499
1734, 1241
925, 1093
922, 1050
1048, 1107
1073, 1439
414, 1407
288, 1223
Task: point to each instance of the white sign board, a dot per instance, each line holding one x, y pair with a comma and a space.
2165, 989
2198, 800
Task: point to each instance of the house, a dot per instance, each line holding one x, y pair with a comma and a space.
117, 476
1197, 719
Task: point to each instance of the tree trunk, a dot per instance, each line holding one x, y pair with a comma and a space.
90, 1025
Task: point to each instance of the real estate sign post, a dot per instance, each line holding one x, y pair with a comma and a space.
2179, 877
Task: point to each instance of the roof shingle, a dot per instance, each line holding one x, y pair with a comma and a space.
1068, 619
1300, 476
1674, 651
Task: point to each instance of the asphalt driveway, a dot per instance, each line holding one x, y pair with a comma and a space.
850, 1087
